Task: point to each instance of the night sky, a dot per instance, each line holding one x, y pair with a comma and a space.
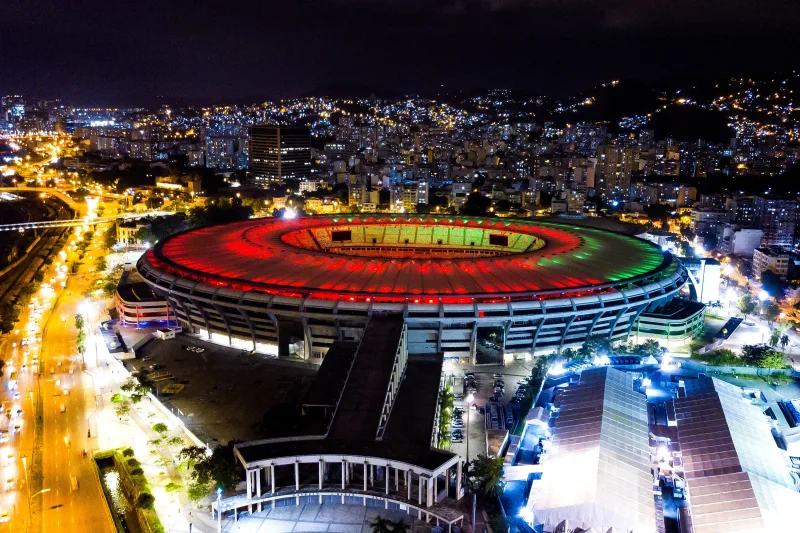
95, 52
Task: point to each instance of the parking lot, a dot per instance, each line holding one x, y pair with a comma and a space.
222, 390
474, 425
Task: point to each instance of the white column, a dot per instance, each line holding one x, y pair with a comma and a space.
296, 476
344, 473
386, 475
397, 479
419, 485
371, 475
435, 488
458, 480
365, 477
258, 487
407, 479
249, 491
429, 493
272, 478
321, 472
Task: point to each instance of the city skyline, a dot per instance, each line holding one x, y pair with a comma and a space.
202, 54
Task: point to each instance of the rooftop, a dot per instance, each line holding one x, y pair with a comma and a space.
354, 428
736, 476
597, 473
404, 256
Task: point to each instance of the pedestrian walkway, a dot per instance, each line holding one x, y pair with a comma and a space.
307, 518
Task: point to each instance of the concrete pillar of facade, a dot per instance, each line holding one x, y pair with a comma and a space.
249, 491
429, 493
271, 478
365, 478
386, 475
258, 488
458, 480
371, 475
344, 473
435, 488
296, 476
419, 488
321, 472
407, 479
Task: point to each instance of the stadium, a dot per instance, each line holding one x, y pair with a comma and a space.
467, 288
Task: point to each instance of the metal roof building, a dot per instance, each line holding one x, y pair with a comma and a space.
597, 472
736, 476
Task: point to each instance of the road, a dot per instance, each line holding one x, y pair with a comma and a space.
67, 506
63, 488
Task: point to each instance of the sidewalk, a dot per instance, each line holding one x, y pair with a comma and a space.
173, 508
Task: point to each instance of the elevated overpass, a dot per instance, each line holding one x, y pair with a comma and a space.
83, 221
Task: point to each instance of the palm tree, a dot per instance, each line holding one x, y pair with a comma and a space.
784, 341
380, 525
486, 474
400, 527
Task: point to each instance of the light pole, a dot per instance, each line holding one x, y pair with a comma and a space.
30, 498
470, 398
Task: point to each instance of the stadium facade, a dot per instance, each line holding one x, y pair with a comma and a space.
293, 287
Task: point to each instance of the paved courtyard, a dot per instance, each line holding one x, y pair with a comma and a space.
310, 518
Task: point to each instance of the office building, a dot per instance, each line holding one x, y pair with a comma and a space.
278, 153
615, 165
776, 218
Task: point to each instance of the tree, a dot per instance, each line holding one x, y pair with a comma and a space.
476, 205
145, 501
594, 345
101, 264
774, 338
498, 523
380, 525
135, 391
80, 342
569, 354
123, 410
746, 304
79, 322
110, 237
191, 455
771, 311
400, 526
118, 398
195, 492
651, 347
175, 441
763, 356
486, 474
161, 428
220, 469
784, 341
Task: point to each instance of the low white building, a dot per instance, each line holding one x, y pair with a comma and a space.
740, 241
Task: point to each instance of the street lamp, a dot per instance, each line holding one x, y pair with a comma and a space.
30, 512
470, 399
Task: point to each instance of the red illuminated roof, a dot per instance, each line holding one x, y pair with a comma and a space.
403, 256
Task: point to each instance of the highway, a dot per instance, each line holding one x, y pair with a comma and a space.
51, 470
